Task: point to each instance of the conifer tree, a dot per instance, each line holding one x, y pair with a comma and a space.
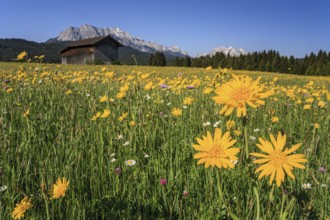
187, 61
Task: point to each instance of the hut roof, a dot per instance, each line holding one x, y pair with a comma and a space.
92, 42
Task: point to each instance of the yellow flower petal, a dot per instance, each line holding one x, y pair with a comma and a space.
293, 148
216, 150
277, 162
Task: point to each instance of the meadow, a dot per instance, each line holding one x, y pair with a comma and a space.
107, 142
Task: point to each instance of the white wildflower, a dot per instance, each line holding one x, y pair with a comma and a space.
306, 186
3, 188
120, 137
216, 124
130, 162
206, 124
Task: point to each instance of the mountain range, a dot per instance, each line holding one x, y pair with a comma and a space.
125, 38
141, 49
88, 31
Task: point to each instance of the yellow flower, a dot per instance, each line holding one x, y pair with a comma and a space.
148, 86
321, 104
216, 151
275, 119
9, 90
310, 100
188, 101
144, 76
104, 98
123, 116
21, 208
316, 125
105, 113
124, 88
132, 123
237, 132
21, 55
59, 188
230, 124
209, 68
68, 92
238, 92
176, 112
98, 114
110, 75
223, 71
207, 90
121, 95
307, 107
26, 113
278, 160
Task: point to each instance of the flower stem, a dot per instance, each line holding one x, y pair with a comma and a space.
258, 202
46, 204
219, 186
232, 215
282, 206
246, 143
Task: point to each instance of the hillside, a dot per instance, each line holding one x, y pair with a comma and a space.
10, 48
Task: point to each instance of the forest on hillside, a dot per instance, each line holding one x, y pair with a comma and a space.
269, 61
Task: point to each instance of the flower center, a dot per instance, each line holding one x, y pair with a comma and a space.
278, 158
61, 190
216, 151
243, 94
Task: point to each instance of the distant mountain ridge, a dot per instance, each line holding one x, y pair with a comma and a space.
227, 51
88, 31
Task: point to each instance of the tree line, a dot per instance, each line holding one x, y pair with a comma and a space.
268, 61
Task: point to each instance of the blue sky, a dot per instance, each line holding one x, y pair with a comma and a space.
292, 27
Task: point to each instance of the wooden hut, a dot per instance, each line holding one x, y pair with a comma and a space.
92, 50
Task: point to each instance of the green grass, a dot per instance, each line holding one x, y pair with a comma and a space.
59, 139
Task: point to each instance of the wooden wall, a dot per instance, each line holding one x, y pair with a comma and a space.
103, 53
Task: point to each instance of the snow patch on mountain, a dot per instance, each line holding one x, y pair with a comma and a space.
226, 50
